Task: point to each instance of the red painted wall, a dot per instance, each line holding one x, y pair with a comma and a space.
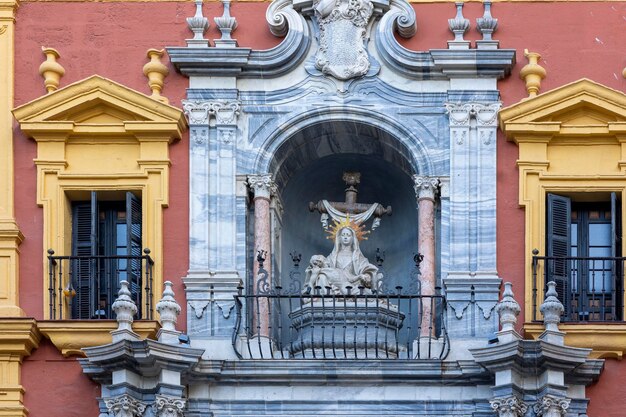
576, 40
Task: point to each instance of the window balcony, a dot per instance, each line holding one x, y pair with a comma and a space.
85, 287
590, 288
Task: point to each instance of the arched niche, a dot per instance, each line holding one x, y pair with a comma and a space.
309, 167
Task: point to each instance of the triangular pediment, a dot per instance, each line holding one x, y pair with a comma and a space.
580, 104
99, 102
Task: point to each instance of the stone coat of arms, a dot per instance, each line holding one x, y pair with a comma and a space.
342, 25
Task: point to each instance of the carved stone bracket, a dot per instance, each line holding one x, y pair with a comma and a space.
262, 185
425, 187
199, 112
124, 406
166, 406
551, 406
510, 406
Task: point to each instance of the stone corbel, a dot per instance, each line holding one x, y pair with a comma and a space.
124, 406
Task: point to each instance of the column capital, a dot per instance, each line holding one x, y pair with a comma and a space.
124, 406
551, 406
510, 406
262, 185
425, 187
486, 114
167, 406
199, 112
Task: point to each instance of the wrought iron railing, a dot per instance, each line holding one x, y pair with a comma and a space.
590, 288
315, 323
85, 287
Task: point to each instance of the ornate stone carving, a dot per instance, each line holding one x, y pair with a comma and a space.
343, 24
166, 406
225, 112
508, 308
197, 111
509, 406
262, 185
199, 136
460, 114
425, 187
198, 307
551, 406
124, 308
551, 308
168, 308
125, 406
225, 307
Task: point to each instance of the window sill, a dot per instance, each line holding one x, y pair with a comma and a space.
70, 336
608, 340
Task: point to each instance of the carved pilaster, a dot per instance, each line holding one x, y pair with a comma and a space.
551, 406
124, 406
510, 406
262, 186
226, 112
197, 111
425, 187
166, 406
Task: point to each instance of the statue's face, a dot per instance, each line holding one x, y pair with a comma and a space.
346, 237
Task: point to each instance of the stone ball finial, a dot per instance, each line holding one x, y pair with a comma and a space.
124, 308
508, 309
168, 308
51, 70
156, 72
532, 73
551, 308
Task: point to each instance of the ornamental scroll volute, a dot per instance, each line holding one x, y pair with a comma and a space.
342, 25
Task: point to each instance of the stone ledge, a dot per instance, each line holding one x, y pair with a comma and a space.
18, 336
70, 336
608, 340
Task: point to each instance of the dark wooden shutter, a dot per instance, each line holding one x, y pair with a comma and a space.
558, 245
133, 246
84, 244
616, 251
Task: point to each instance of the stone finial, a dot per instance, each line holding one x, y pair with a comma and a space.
487, 25
50, 69
168, 310
156, 72
227, 25
508, 309
124, 309
124, 406
458, 26
532, 73
509, 406
551, 308
198, 24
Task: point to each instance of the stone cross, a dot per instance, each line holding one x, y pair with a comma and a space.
350, 205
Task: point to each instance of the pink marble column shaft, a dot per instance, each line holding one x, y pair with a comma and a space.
263, 188
426, 189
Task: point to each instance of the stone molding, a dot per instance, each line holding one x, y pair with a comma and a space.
199, 112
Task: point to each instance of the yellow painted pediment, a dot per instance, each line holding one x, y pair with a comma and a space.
580, 108
97, 105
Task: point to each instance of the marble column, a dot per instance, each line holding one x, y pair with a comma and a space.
263, 188
426, 189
